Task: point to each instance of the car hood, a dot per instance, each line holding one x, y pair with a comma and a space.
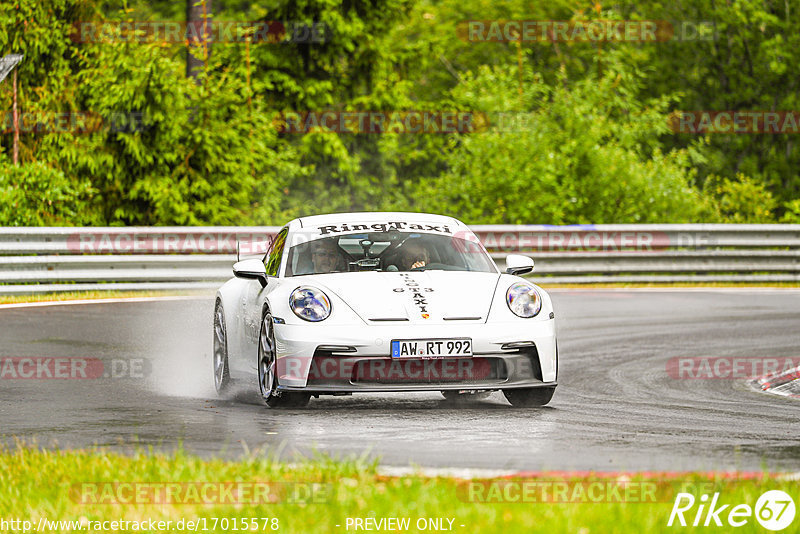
422, 297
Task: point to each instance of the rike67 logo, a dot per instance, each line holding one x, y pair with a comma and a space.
774, 510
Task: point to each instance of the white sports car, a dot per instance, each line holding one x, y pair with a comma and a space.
377, 302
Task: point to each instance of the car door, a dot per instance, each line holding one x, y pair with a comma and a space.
256, 296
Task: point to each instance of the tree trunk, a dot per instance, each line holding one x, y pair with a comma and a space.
16, 123
198, 35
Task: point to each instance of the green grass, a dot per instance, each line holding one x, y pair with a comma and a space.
64, 485
91, 295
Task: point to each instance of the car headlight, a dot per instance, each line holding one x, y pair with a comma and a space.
310, 303
524, 300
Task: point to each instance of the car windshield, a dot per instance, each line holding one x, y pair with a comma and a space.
390, 251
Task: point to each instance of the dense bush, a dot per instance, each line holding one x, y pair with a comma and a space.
577, 153
37, 195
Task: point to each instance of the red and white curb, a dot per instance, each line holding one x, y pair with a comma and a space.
785, 383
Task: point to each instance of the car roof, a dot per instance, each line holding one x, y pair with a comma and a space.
374, 216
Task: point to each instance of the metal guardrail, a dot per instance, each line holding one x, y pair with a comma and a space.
34, 260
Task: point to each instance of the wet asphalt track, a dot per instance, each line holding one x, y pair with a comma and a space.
616, 407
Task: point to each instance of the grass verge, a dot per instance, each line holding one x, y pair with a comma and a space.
92, 295
322, 496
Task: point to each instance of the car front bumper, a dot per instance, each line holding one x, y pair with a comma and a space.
336, 359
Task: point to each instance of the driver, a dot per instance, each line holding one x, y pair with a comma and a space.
413, 255
326, 257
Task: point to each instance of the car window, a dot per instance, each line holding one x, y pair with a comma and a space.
273, 259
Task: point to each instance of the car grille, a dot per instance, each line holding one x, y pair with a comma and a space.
430, 371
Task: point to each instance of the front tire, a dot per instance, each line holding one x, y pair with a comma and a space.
267, 371
222, 375
529, 397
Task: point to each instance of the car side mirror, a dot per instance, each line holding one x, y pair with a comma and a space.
252, 270
518, 265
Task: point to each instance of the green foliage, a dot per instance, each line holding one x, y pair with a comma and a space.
37, 195
167, 150
591, 144
197, 152
579, 153
792, 213
743, 200
748, 63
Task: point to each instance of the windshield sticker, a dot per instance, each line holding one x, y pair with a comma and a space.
381, 227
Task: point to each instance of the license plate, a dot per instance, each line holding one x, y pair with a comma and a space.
432, 348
